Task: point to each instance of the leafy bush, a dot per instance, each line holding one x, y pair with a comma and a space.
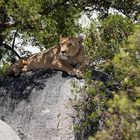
105, 37
104, 111
121, 122
3, 69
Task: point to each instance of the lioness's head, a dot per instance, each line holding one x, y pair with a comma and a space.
69, 47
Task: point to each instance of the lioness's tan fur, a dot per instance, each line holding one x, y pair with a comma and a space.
69, 56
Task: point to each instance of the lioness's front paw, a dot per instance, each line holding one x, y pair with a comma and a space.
79, 73
72, 73
76, 72
25, 68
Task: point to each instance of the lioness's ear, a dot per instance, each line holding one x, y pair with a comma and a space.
80, 38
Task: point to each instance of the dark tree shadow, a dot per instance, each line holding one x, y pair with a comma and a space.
15, 89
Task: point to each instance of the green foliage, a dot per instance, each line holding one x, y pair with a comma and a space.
103, 38
3, 69
104, 112
121, 120
40, 20
130, 8
90, 101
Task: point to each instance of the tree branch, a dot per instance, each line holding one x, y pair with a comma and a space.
13, 44
4, 26
56, 5
13, 51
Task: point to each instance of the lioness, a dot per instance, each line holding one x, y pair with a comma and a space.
68, 56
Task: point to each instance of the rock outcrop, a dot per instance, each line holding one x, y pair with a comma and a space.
36, 105
7, 133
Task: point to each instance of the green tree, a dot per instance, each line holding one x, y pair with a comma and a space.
105, 112
105, 36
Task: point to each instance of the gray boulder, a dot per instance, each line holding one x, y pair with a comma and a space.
36, 105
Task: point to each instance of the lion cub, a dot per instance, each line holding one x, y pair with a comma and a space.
68, 56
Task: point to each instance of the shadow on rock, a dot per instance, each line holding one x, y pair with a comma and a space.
16, 89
